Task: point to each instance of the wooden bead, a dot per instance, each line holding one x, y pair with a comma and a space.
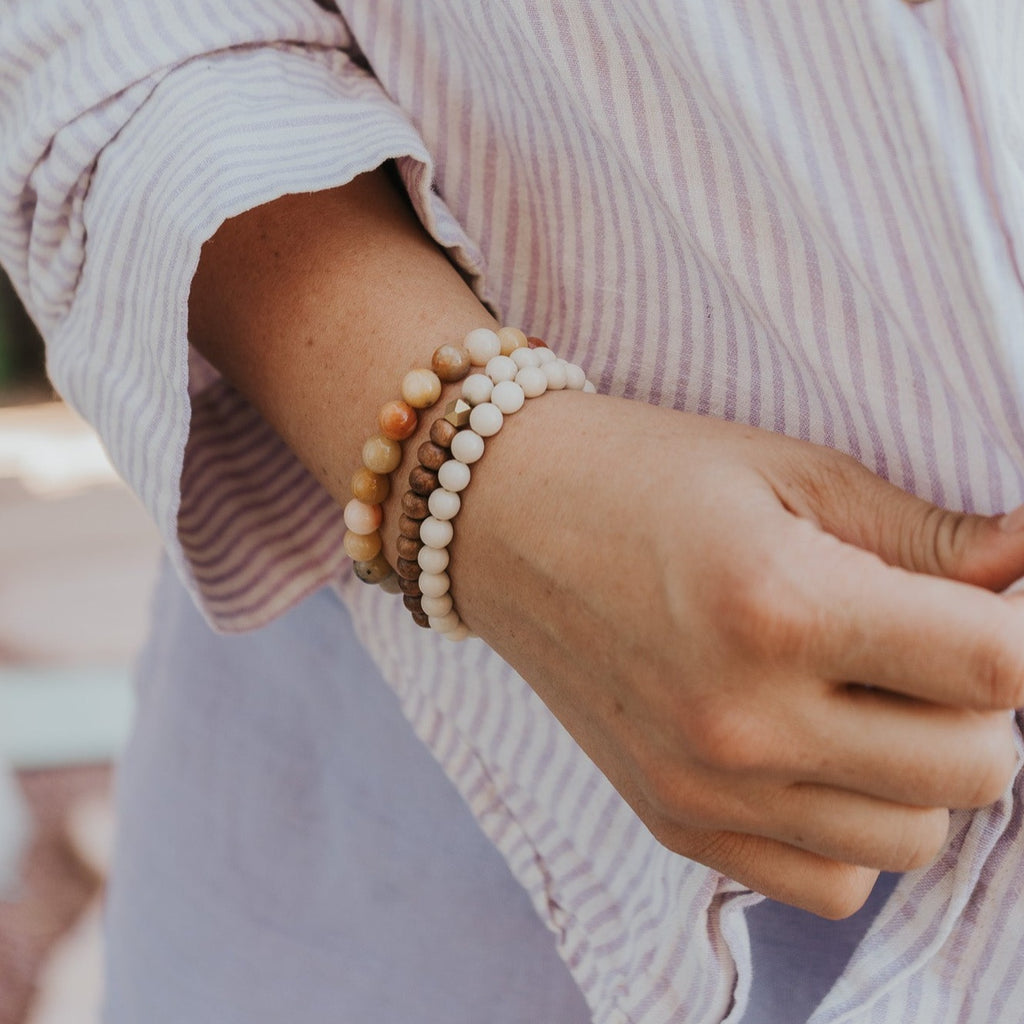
397, 420
423, 481
450, 363
374, 570
415, 505
535, 342
373, 488
442, 432
409, 527
409, 548
421, 388
412, 602
408, 587
421, 619
408, 569
362, 518
511, 338
362, 547
381, 454
431, 455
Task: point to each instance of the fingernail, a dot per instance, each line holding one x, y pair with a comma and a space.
1013, 522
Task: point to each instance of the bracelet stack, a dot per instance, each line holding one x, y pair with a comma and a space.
512, 369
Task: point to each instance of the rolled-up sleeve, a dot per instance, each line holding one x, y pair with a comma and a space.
130, 135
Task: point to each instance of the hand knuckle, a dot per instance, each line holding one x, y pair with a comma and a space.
767, 622
727, 737
998, 672
845, 891
923, 838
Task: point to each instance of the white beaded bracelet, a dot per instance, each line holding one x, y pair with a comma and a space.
499, 390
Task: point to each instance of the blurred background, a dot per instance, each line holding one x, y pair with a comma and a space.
78, 558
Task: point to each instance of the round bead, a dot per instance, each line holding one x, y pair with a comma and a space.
524, 357
442, 432
362, 547
421, 388
408, 587
533, 380
454, 476
409, 527
431, 455
434, 584
467, 446
391, 584
374, 570
450, 363
554, 370
575, 378
413, 602
408, 568
589, 389
369, 486
511, 338
415, 505
486, 419
445, 623
436, 533
535, 342
433, 559
508, 396
397, 420
482, 345
544, 355
422, 481
437, 605
501, 368
362, 518
408, 547
444, 504
421, 619
457, 635
381, 454
477, 388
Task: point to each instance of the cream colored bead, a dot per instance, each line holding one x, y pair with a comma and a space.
511, 338
575, 378
467, 446
454, 475
533, 380
457, 635
444, 504
421, 388
477, 388
381, 454
437, 605
544, 355
436, 533
482, 345
508, 396
589, 389
434, 584
554, 370
501, 368
525, 357
433, 559
445, 623
486, 419
362, 518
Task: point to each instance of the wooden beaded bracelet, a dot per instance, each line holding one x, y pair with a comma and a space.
457, 440
382, 453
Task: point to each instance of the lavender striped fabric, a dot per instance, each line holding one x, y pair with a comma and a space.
808, 217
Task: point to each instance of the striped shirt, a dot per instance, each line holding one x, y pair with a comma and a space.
806, 217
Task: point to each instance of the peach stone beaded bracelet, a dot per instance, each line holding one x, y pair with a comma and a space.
382, 453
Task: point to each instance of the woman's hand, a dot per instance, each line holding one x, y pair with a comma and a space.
751, 636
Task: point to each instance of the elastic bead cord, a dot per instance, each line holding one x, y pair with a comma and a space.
487, 399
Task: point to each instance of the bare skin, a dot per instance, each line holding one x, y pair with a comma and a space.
789, 668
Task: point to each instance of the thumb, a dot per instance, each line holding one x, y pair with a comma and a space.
859, 507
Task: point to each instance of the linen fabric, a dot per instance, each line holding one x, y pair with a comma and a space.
804, 217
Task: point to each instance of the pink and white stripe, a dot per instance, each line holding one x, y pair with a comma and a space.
808, 217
